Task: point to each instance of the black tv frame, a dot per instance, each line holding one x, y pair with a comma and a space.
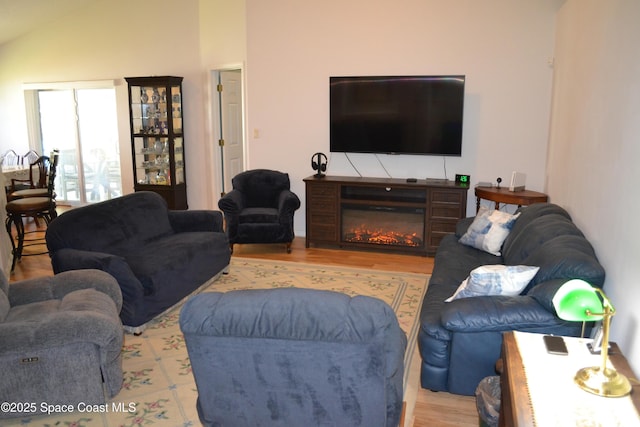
418, 115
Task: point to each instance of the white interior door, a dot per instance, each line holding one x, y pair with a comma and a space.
231, 129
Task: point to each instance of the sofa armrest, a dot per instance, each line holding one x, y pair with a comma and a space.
496, 313
231, 203
85, 315
116, 266
196, 220
288, 203
58, 286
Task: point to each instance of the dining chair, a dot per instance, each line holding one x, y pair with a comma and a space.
30, 157
33, 186
10, 158
37, 207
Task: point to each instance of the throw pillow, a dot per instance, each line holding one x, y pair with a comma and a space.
495, 280
488, 230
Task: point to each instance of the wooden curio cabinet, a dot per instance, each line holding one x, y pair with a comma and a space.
157, 139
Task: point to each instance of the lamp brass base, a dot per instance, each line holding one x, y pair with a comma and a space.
607, 383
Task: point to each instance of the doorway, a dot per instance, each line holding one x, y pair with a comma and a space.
228, 124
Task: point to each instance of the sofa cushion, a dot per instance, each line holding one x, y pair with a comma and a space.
180, 255
495, 279
259, 215
453, 262
529, 214
565, 257
260, 187
489, 230
536, 233
116, 225
544, 293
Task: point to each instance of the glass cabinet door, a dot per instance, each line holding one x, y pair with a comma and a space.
178, 155
152, 160
176, 108
157, 139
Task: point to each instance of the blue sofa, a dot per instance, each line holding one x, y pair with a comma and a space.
157, 255
460, 340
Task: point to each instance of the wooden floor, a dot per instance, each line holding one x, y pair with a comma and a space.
432, 409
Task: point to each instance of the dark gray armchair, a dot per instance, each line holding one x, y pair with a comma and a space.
260, 208
60, 340
294, 357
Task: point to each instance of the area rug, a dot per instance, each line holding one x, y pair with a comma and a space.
159, 389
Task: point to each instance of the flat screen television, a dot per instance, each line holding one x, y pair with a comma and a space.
397, 114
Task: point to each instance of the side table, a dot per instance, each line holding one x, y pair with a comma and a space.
517, 408
503, 195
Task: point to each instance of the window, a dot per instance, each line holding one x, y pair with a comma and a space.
81, 122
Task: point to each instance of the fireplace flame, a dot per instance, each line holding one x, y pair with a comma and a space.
382, 237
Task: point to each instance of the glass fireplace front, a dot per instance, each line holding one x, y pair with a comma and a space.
383, 225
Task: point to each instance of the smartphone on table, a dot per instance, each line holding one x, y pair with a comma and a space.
555, 345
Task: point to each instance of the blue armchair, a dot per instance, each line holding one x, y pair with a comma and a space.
294, 357
260, 208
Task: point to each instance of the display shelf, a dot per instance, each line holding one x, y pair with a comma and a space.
157, 138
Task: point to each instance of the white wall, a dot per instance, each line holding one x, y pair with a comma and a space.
113, 39
223, 39
503, 47
594, 147
223, 45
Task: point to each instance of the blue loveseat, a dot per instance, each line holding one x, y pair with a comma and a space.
460, 340
157, 255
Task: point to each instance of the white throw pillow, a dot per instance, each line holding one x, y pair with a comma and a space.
495, 280
488, 230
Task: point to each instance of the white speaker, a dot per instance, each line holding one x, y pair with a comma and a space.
517, 181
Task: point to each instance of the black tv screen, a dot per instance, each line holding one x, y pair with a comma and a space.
397, 114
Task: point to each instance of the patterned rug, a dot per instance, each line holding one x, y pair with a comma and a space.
158, 387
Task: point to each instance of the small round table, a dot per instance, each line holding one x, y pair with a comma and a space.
503, 195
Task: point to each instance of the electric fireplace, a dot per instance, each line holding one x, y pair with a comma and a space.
383, 225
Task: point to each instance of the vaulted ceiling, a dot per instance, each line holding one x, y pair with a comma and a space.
18, 17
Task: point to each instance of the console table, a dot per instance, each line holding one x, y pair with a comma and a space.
504, 195
517, 406
435, 205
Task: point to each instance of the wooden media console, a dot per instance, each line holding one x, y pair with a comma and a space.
382, 213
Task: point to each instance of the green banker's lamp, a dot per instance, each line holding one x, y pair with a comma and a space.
576, 300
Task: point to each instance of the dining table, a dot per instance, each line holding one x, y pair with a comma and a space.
15, 172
